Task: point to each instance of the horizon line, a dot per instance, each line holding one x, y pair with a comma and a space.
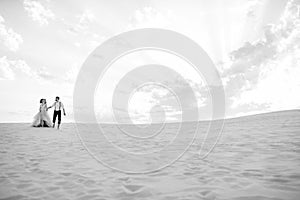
169, 122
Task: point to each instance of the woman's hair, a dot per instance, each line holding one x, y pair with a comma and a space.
41, 101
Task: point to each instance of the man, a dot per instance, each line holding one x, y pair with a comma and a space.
58, 105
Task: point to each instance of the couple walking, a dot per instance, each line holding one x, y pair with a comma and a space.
42, 119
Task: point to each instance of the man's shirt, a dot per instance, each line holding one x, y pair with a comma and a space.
58, 105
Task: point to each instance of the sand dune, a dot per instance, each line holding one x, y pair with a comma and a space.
257, 157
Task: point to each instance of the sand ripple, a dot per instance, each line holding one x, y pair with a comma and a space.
256, 158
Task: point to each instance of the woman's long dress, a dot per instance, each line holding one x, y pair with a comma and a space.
42, 119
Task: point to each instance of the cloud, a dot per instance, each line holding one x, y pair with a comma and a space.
161, 104
71, 74
16, 66
44, 74
83, 27
83, 23
143, 100
6, 73
264, 73
86, 18
279, 85
150, 17
252, 7
9, 37
37, 12
9, 69
152, 103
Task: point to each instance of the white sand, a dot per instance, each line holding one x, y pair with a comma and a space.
258, 157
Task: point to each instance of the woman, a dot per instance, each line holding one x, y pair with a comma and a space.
42, 119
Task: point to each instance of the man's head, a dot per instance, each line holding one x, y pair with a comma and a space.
56, 98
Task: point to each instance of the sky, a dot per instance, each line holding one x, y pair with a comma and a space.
254, 44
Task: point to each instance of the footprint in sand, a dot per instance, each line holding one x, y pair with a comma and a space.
133, 189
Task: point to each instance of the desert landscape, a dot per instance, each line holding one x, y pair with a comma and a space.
257, 157
149, 100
